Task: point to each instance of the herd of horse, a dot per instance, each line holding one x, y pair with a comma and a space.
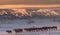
32, 29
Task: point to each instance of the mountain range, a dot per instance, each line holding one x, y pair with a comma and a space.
28, 13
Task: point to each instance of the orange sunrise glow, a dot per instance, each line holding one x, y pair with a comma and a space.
28, 3
23, 6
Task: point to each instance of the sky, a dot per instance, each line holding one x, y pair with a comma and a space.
29, 2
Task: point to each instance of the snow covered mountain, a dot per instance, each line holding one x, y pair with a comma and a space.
24, 13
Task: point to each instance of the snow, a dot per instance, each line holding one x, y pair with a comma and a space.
12, 24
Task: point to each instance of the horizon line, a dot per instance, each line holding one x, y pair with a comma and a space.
24, 6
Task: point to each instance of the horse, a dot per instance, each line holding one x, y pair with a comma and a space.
9, 31
30, 29
18, 30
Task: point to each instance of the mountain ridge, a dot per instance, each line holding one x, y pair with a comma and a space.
27, 13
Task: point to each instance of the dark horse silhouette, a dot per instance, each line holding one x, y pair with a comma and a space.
9, 31
18, 30
30, 29
53, 28
50, 28
40, 29
33, 29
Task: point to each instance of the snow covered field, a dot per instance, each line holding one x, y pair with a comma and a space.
13, 24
